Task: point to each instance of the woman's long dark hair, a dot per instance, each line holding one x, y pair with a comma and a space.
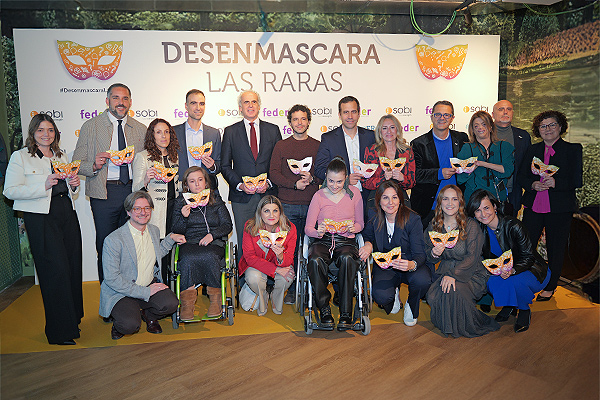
30, 143
150, 142
403, 211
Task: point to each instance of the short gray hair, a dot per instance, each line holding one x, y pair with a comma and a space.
239, 99
135, 196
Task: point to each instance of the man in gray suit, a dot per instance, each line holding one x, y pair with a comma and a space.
107, 184
132, 271
194, 133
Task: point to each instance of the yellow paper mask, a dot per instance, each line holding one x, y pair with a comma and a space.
66, 171
449, 239
255, 182
497, 266
541, 169
197, 199
119, 157
198, 151
269, 238
385, 259
163, 173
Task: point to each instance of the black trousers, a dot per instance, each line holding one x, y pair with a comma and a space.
109, 214
345, 255
55, 241
126, 312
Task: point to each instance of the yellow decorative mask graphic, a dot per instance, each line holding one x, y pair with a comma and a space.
447, 63
388, 164
497, 266
385, 259
163, 173
255, 182
541, 169
270, 238
449, 239
332, 226
198, 151
66, 171
119, 157
463, 166
100, 62
197, 199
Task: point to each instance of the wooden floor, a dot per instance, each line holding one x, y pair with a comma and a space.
558, 358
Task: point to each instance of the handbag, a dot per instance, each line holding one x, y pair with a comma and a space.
248, 299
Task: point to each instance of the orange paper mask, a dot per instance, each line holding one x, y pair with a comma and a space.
163, 173
119, 157
332, 226
385, 259
449, 239
255, 182
197, 199
300, 166
541, 169
497, 266
366, 170
66, 171
100, 62
447, 63
463, 166
198, 151
388, 164
269, 238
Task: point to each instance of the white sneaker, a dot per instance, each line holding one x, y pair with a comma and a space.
397, 303
408, 316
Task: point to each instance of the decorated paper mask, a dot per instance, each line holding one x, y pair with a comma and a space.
388, 164
504, 263
197, 199
447, 63
332, 226
66, 171
366, 170
449, 239
163, 173
198, 151
119, 157
541, 169
463, 166
269, 238
300, 166
255, 182
83, 62
385, 259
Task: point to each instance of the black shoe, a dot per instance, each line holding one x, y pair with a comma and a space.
506, 312
485, 308
543, 298
523, 321
336, 299
107, 319
66, 343
345, 322
326, 317
115, 334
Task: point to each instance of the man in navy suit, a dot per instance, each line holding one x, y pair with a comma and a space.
520, 139
194, 133
247, 148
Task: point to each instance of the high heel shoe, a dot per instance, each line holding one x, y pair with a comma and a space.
544, 298
506, 312
523, 321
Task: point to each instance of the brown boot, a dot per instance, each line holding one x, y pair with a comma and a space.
188, 301
214, 308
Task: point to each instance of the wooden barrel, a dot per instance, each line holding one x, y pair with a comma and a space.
581, 257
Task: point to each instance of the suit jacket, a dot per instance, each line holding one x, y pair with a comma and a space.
119, 261
95, 137
568, 158
237, 159
333, 145
522, 141
427, 167
209, 134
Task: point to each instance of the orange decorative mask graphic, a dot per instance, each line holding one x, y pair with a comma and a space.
541, 169
447, 63
119, 157
198, 151
197, 199
496, 266
385, 259
270, 238
66, 171
388, 164
255, 182
100, 62
449, 239
163, 173
365, 170
300, 166
332, 226
463, 166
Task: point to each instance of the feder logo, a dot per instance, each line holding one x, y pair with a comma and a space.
84, 62
447, 63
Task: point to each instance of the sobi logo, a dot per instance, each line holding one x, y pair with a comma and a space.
229, 112
143, 113
447, 63
83, 62
55, 114
472, 109
401, 110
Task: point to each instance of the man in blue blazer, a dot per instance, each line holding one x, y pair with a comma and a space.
194, 133
246, 151
520, 139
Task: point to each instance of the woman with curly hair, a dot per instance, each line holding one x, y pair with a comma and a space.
461, 277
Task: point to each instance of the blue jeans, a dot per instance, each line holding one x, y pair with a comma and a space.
296, 213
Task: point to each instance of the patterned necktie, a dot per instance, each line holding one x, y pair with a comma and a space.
124, 168
253, 141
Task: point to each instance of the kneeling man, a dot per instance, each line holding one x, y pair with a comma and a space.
131, 259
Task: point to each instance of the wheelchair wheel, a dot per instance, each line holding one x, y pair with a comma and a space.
307, 326
230, 315
366, 329
174, 318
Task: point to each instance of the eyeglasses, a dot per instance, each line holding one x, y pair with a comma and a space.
440, 115
138, 210
549, 126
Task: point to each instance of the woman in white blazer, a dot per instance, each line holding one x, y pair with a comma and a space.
34, 183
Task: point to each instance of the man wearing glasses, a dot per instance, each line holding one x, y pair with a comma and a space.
131, 258
433, 151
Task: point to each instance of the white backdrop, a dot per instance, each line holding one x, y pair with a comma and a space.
382, 71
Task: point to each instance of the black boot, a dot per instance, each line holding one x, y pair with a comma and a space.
345, 322
326, 317
506, 312
523, 321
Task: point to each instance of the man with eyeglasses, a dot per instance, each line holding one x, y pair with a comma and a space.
131, 258
433, 151
521, 141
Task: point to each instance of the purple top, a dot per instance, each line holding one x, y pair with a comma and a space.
541, 204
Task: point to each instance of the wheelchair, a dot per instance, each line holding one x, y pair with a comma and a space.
306, 306
229, 287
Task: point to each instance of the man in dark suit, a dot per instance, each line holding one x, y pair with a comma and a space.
432, 159
247, 148
520, 139
194, 133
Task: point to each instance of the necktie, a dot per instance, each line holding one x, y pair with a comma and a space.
124, 168
253, 141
